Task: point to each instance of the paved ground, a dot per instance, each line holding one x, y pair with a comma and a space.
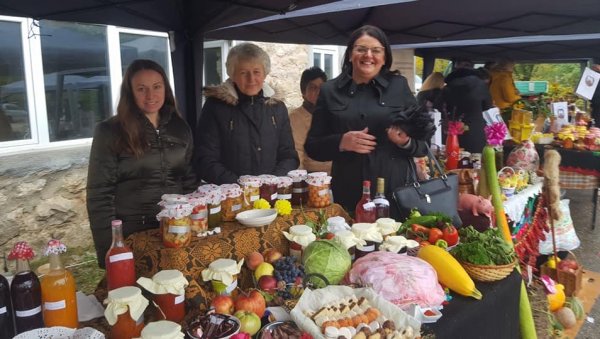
589, 252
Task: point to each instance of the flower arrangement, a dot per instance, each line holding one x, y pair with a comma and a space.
495, 133
261, 204
457, 128
283, 207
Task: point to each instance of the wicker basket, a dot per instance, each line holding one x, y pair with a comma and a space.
571, 281
488, 273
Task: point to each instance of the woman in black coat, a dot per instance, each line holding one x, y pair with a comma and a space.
137, 156
243, 130
352, 123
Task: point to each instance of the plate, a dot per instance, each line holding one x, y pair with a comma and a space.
273, 325
256, 218
61, 332
214, 318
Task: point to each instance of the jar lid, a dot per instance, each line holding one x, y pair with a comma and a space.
297, 175
124, 294
300, 234
336, 224
123, 299
396, 243
367, 231
231, 190
268, 179
300, 230
284, 182
208, 188
387, 226
172, 199
249, 181
176, 211
317, 179
162, 329
222, 270
196, 199
348, 238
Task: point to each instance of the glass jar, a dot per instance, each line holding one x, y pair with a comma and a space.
232, 202
222, 274
318, 189
162, 329
168, 290
350, 241
199, 215
387, 227
251, 190
370, 234
268, 188
299, 237
175, 225
213, 198
284, 188
125, 312
299, 187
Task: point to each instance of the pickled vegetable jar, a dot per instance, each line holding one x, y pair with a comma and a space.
168, 289
232, 204
299, 187
214, 198
284, 188
175, 225
125, 312
199, 214
318, 189
251, 190
222, 274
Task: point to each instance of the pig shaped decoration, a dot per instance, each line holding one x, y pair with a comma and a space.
476, 204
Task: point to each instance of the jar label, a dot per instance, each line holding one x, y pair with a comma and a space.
296, 253
28, 313
297, 190
236, 207
284, 196
274, 196
231, 287
367, 248
200, 215
54, 305
179, 229
215, 210
121, 257
381, 201
179, 299
254, 197
323, 192
369, 206
2, 310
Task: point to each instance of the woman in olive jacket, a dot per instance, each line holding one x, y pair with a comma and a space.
138, 155
243, 130
352, 123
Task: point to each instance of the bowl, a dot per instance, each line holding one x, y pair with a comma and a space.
219, 320
256, 218
270, 327
429, 315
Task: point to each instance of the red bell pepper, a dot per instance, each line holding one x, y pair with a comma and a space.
450, 235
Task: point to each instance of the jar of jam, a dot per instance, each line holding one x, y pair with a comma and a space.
213, 198
299, 237
162, 329
284, 188
336, 224
387, 227
370, 234
175, 225
168, 289
222, 274
350, 241
268, 188
299, 187
251, 190
199, 214
318, 189
125, 312
232, 203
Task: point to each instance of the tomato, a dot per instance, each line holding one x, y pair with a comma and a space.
435, 234
450, 235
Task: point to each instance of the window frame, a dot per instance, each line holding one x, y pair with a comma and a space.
333, 50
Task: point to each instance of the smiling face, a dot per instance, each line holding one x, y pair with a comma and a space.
149, 91
367, 58
249, 76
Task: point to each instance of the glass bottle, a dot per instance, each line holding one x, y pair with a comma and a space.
120, 267
382, 204
26, 295
365, 208
7, 327
58, 291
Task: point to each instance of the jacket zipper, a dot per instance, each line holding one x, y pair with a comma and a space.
273, 120
162, 162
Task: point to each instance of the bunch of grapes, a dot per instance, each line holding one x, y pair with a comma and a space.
287, 270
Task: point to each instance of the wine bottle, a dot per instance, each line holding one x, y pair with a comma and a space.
382, 204
365, 208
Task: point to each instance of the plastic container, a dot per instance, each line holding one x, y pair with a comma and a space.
222, 274
299, 187
318, 189
251, 190
168, 290
125, 312
284, 188
232, 202
175, 225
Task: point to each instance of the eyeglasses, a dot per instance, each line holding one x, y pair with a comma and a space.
376, 51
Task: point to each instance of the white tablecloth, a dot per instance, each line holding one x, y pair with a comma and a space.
515, 205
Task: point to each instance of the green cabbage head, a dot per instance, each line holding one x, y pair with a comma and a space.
327, 257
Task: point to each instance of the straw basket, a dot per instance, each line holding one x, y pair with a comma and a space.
488, 273
571, 280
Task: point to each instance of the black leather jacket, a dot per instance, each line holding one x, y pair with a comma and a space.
346, 106
121, 186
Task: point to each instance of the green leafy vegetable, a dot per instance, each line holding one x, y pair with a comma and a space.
483, 248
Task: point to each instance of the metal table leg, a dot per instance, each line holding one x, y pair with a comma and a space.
595, 206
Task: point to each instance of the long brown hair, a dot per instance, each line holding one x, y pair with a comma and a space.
130, 118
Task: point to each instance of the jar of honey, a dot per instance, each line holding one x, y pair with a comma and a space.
299, 187
299, 237
125, 312
318, 189
251, 190
222, 274
232, 203
168, 289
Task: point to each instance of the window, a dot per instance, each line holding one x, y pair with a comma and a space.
326, 58
215, 54
78, 68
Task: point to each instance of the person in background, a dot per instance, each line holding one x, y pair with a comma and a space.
502, 86
243, 130
467, 96
430, 95
595, 102
301, 118
141, 153
352, 123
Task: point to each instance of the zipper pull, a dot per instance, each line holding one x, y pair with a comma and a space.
231, 125
273, 120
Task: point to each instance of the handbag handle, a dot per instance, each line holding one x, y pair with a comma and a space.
431, 163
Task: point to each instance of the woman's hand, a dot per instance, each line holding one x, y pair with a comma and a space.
398, 136
358, 141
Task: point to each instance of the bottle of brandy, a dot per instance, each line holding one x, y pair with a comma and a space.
365, 209
382, 204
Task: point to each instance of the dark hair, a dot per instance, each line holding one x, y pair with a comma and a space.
458, 62
309, 75
130, 117
483, 74
374, 32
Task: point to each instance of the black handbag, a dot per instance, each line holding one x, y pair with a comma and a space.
438, 194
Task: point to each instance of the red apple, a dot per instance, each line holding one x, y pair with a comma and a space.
267, 283
249, 321
251, 302
271, 255
567, 264
223, 304
253, 260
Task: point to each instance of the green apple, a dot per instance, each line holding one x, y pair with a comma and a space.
249, 321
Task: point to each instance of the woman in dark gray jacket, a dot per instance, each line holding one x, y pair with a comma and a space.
138, 155
243, 130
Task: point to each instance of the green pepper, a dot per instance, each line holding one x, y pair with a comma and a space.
441, 243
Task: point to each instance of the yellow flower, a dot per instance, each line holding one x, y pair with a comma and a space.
261, 204
283, 207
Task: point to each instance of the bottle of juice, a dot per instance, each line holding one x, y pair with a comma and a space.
58, 290
25, 290
120, 268
365, 208
7, 328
